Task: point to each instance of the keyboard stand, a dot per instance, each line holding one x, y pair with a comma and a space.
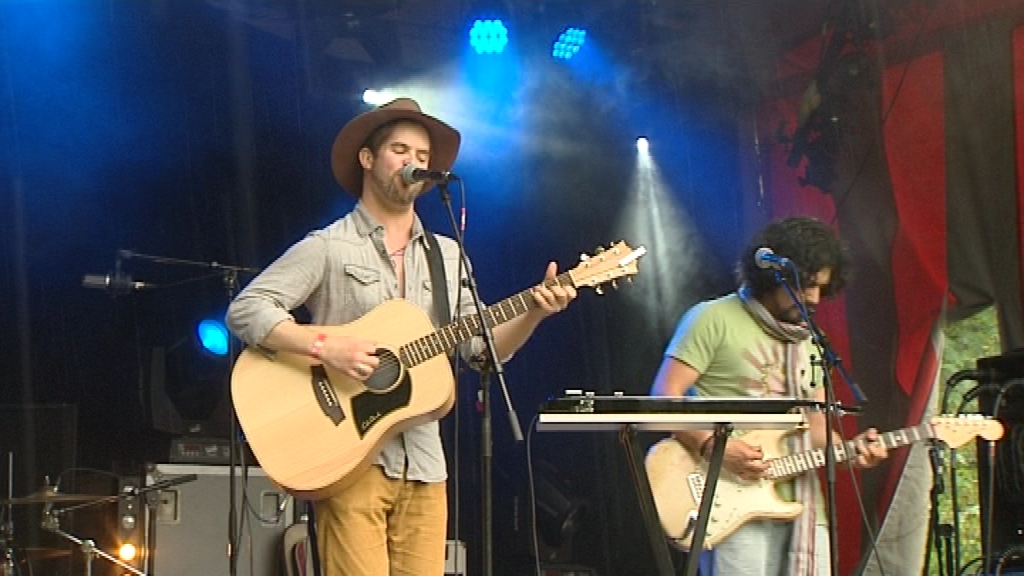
630, 414
642, 484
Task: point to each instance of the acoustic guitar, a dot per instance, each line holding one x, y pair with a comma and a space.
312, 428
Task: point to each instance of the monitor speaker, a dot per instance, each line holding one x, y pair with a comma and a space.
187, 524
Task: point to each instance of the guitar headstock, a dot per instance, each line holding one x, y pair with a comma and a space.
606, 265
958, 430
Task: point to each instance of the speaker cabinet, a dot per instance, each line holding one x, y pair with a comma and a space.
187, 524
1007, 468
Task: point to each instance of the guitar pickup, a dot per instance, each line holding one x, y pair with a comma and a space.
325, 395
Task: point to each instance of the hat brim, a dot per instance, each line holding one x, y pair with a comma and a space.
444, 141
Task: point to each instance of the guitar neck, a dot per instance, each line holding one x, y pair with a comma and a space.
447, 338
796, 464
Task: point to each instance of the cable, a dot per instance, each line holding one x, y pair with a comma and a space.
533, 496
951, 383
873, 537
1012, 552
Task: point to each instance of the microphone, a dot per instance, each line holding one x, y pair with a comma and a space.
765, 258
412, 175
116, 284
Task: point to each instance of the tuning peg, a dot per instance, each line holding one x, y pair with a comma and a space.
584, 257
599, 250
599, 290
615, 284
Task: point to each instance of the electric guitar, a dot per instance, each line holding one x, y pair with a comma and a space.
677, 476
311, 428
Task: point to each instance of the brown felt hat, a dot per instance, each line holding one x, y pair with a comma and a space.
444, 141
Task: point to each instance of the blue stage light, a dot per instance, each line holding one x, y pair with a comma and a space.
568, 43
213, 335
488, 36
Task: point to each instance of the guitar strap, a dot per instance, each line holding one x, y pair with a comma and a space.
438, 284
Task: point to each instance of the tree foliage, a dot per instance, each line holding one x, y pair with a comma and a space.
965, 342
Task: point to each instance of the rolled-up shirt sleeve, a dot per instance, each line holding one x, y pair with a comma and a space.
281, 287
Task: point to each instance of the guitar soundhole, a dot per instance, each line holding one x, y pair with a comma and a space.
387, 374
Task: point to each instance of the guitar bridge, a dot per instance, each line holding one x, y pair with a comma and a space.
325, 395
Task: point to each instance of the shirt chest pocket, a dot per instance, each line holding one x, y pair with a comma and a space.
364, 287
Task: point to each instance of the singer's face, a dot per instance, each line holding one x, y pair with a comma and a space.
779, 303
408, 143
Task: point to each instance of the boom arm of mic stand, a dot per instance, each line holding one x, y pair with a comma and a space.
214, 265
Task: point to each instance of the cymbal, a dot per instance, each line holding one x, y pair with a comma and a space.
50, 495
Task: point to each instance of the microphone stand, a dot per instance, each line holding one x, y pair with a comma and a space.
492, 363
229, 275
829, 360
946, 536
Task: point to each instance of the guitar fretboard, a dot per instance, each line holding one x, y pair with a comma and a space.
794, 464
447, 338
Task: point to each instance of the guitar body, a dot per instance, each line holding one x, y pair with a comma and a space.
312, 429
677, 476
677, 482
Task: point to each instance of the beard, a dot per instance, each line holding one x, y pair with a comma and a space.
393, 191
792, 315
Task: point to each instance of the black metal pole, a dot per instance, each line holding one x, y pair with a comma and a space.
493, 365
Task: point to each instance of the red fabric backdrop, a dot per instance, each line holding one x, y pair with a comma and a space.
915, 140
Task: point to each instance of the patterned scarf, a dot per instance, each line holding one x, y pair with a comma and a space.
801, 549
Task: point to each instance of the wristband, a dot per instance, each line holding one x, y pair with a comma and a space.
317, 349
704, 446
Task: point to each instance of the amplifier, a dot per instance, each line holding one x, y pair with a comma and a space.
187, 525
200, 451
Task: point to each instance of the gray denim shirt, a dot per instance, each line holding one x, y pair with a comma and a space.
340, 273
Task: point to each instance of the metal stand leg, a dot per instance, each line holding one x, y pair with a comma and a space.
87, 546
314, 547
659, 544
722, 432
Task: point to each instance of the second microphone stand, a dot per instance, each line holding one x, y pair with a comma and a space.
492, 365
829, 360
229, 276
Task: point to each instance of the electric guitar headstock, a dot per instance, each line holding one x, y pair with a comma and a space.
958, 430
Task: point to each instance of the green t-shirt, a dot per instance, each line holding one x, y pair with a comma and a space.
737, 358
734, 356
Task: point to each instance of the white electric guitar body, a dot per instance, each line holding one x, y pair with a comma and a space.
677, 476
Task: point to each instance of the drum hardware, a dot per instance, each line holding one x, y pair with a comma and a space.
51, 522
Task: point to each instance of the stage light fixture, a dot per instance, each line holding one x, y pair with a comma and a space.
488, 36
377, 97
213, 335
127, 552
568, 43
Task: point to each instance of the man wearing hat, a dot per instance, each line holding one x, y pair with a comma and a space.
392, 519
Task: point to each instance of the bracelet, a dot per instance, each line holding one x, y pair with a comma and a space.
704, 446
317, 349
